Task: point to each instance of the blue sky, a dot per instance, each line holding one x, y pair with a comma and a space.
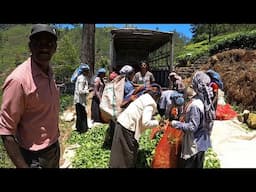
181, 28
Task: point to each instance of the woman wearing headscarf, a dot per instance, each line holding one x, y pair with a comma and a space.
97, 94
176, 82
216, 84
80, 94
171, 104
131, 123
198, 123
130, 91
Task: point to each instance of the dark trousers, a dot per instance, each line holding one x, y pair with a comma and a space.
95, 110
45, 158
81, 118
215, 101
124, 150
196, 161
109, 135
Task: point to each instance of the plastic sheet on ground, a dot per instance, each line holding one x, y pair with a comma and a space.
68, 154
221, 97
68, 115
234, 145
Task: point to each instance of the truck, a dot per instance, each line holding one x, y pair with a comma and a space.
130, 46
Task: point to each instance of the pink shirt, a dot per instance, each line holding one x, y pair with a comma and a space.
30, 107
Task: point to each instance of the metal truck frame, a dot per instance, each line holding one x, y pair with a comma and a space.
129, 46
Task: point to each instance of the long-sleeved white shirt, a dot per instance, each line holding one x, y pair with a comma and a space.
165, 101
81, 90
137, 116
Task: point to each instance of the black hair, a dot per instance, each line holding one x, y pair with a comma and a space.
142, 62
154, 93
128, 75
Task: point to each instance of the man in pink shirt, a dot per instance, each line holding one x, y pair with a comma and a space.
30, 106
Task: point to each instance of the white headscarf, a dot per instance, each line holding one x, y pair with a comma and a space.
126, 69
175, 75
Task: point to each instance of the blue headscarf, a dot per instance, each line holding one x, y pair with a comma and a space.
159, 89
215, 77
84, 66
79, 70
101, 70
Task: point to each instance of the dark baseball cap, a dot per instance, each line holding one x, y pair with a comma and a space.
37, 28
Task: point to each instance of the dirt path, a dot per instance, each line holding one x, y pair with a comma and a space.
65, 132
66, 128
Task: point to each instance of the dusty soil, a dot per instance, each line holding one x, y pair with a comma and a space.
66, 127
237, 68
65, 132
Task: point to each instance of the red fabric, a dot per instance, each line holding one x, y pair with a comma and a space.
168, 149
154, 132
214, 86
225, 112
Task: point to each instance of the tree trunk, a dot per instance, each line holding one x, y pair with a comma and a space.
88, 46
209, 33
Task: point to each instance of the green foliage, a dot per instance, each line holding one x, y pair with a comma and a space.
179, 42
14, 46
194, 51
147, 149
5, 26
66, 59
102, 62
102, 44
5, 161
219, 43
203, 31
202, 37
65, 101
245, 40
67, 53
211, 159
90, 154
